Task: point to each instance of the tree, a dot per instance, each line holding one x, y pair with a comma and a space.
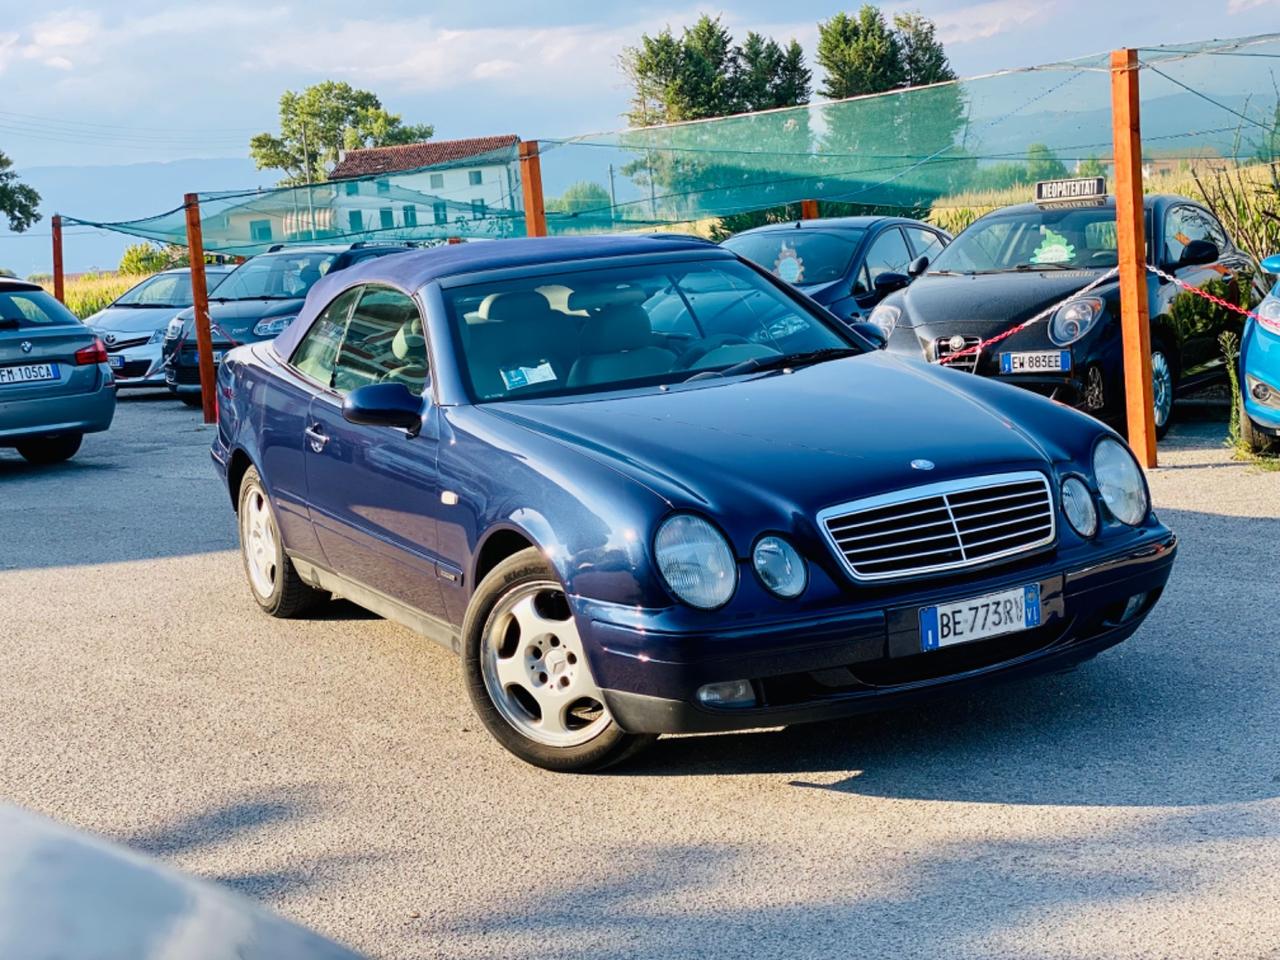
1043, 164
322, 120
18, 202
581, 197
143, 258
860, 55
924, 61
764, 76
1091, 167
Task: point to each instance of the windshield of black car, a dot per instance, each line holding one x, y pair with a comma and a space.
166, 290
32, 308
1044, 238
801, 257
591, 330
282, 276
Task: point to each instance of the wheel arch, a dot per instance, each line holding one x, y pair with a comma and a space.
237, 466
499, 543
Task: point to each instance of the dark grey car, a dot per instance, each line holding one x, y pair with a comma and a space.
55, 384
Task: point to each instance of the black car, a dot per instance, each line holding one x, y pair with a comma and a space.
256, 301
1015, 263
847, 264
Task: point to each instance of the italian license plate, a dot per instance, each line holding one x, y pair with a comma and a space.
29, 373
217, 355
1036, 361
994, 615
116, 360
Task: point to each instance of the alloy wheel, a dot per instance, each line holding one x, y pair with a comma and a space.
1161, 387
535, 671
258, 537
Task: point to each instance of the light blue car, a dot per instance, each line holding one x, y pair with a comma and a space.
1260, 368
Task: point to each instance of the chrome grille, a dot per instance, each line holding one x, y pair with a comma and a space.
968, 363
126, 344
943, 526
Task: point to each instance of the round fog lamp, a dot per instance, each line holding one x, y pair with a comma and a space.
779, 567
1261, 391
1077, 504
732, 693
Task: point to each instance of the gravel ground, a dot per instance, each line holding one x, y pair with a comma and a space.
332, 768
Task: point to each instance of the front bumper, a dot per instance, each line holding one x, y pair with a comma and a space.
141, 366
863, 659
182, 367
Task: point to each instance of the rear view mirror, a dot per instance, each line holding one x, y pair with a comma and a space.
887, 283
918, 266
1198, 252
870, 332
383, 405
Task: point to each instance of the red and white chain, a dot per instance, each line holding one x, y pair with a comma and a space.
1205, 294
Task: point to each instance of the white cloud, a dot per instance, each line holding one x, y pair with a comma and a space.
984, 20
1244, 6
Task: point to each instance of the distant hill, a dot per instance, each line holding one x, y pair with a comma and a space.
119, 192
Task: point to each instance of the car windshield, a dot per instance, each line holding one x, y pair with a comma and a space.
32, 308
802, 257
1038, 239
282, 276
166, 290
587, 331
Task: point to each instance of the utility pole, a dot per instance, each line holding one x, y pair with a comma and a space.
59, 291
306, 164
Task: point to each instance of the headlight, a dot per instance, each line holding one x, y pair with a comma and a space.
886, 317
696, 561
174, 330
1269, 312
1120, 481
779, 567
1077, 504
1073, 320
158, 335
273, 327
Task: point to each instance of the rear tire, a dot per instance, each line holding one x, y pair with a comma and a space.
191, 399
273, 581
528, 677
1164, 386
49, 450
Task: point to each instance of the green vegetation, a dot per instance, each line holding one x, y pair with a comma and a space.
18, 202
863, 54
323, 119
142, 259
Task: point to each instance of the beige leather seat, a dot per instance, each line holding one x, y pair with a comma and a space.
617, 344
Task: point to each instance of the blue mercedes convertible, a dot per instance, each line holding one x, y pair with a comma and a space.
642, 486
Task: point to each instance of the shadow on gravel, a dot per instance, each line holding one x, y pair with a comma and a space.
1184, 713
213, 827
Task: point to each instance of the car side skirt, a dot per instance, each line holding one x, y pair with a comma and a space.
373, 600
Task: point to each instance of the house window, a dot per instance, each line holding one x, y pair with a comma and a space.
478, 209
352, 187
441, 211
383, 186
437, 181
410, 215
385, 218
355, 221
259, 231
475, 177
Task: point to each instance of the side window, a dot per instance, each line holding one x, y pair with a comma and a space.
1184, 224
888, 254
926, 242
384, 343
318, 348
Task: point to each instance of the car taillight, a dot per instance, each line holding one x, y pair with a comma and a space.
94, 353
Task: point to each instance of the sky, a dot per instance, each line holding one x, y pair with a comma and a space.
98, 82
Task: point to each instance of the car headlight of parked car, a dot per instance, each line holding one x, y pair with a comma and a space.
272, 327
1120, 482
886, 317
1073, 320
696, 562
1269, 312
158, 335
1077, 504
174, 330
780, 567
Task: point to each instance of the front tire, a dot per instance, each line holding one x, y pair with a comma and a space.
1251, 436
527, 673
273, 581
49, 450
1164, 385
191, 399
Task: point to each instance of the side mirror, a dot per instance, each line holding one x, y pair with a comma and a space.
887, 283
383, 405
1198, 252
918, 266
1272, 264
871, 333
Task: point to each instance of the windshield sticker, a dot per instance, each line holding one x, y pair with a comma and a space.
1054, 249
517, 377
789, 266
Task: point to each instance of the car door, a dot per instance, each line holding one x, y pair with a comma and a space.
373, 491
1198, 322
888, 253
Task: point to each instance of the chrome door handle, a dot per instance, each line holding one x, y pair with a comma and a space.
316, 438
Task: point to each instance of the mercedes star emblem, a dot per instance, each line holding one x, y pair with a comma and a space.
921, 464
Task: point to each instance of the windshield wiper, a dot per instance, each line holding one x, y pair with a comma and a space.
776, 362
1044, 266
947, 273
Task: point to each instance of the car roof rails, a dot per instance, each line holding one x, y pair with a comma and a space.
275, 248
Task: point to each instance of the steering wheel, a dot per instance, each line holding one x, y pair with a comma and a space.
695, 352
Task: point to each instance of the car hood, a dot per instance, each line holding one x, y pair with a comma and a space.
802, 441
237, 318
133, 319
985, 305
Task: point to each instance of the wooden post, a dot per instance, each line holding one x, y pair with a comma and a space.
535, 212
59, 289
200, 301
1135, 320
808, 209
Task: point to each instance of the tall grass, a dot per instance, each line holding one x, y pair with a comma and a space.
90, 292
